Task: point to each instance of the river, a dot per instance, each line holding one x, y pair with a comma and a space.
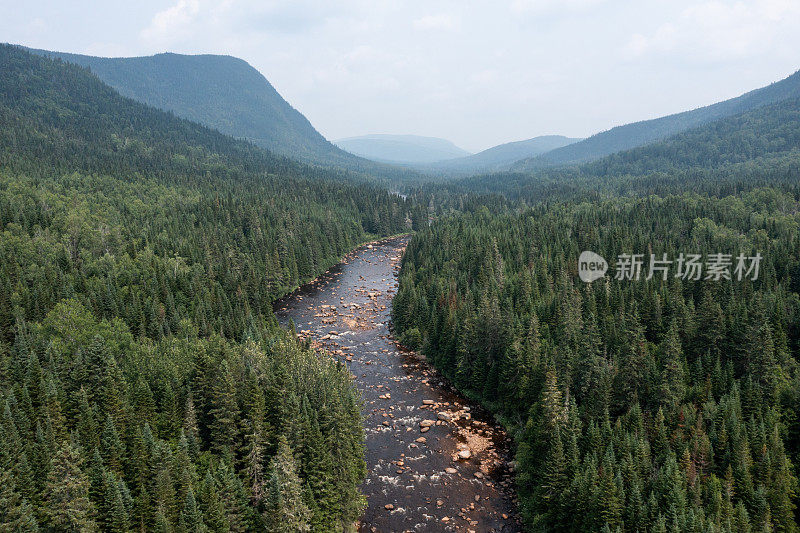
452, 476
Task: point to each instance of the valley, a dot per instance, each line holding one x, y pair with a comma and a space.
434, 461
215, 319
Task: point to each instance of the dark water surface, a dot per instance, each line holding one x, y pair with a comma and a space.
416, 480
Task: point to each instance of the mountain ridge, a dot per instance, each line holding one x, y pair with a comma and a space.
227, 94
643, 132
503, 155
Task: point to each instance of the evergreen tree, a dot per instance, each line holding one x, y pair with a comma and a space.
286, 511
16, 514
67, 493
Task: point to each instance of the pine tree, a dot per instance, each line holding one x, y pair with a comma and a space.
190, 428
673, 386
286, 512
67, 493
87, 426
553, 403
16, 514
610, 501
225, 414
191, 519
162, 525
111, 447
554, 478
117, 518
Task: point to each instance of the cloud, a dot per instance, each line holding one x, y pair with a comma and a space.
720, 30
172, 22
540, 6
477, 72
435, 22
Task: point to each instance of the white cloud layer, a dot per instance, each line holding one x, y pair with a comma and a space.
720, 30
479, 72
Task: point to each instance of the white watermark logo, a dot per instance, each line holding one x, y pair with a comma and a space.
591, 266
694, 267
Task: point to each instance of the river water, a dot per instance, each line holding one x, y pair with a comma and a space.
452, 476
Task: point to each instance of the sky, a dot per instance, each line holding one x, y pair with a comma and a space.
478, 73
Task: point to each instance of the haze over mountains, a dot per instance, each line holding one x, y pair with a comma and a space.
228, 94
442, 157
403, 149
640, 133
501, 156
760, 147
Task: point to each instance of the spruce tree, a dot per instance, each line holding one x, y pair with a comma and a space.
16, 513
286, 512
67, 493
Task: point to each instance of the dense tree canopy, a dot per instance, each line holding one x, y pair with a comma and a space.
649, 405
144, 381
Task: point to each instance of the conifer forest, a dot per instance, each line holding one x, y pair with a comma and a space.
560, 334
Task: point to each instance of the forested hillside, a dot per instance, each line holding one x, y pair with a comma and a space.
757, 148
144, 382
640, 133
650, 405
227, 94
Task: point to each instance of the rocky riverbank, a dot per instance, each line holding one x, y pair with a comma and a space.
435, 462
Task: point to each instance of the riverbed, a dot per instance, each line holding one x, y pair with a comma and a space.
435, 462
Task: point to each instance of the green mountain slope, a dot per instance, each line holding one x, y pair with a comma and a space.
640, 133
404, 149
227, 94
760, 146
144, 380
761, 132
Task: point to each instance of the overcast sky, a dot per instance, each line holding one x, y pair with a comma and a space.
476, 72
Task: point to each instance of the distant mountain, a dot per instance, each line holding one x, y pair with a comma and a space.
404, 149
224, 93
502, 156
759, 147
641, 133
765, 132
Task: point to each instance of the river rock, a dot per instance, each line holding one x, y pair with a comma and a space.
426, 423
464, 454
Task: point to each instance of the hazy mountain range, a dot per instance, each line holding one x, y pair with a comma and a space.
640, 133
231, 96
501, 156
403, 149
